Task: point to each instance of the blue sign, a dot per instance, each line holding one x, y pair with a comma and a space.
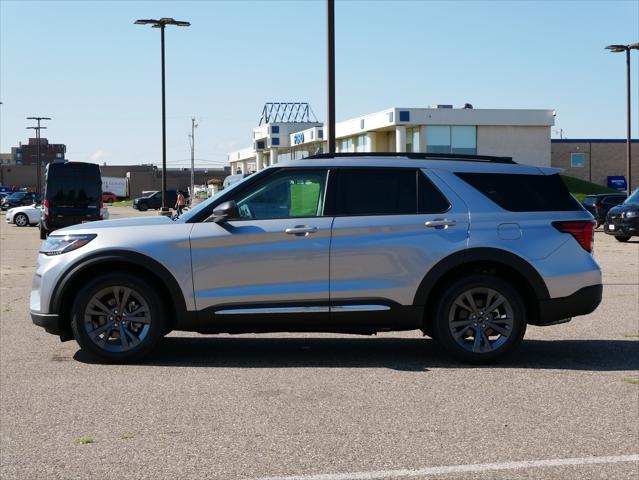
298, 138
618, 182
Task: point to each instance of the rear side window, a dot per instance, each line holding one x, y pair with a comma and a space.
590, 201
524, 193
387, 191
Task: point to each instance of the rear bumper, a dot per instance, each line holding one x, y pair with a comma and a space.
560, 310
49, 321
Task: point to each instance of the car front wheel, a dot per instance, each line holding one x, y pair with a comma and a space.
21, 220
480, 318
622, 238
118, 318
142, 207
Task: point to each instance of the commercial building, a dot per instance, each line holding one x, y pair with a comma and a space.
595, 160
27, 154
283, 133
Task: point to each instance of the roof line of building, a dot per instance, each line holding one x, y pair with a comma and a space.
592, 140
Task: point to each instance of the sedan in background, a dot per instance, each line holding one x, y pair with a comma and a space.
24, 216
17, 199
109, 197
623, 220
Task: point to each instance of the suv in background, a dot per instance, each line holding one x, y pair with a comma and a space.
623, 220
154, 200
72, 195
598, 205
17, 199
468, 249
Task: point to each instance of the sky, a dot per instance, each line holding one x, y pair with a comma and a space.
86, 65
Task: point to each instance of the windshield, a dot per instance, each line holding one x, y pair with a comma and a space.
16, 196
186, 216
633, 199
590, 201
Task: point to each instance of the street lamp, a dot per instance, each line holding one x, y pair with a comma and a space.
330, 60
619, 49
161, 23
38, 166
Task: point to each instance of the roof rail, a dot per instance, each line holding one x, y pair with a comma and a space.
419, 156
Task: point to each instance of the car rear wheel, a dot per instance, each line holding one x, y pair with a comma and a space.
118, 318
480, 318
43, 233
21, 220
142, 207
623, 238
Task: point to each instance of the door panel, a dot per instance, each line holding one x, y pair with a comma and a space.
256, 261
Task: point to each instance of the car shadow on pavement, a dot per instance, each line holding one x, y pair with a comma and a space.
403, 354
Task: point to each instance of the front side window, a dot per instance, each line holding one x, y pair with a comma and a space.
287, 194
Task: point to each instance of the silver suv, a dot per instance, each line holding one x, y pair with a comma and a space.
468, 249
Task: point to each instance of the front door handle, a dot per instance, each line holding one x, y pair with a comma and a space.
440, 223
301, 230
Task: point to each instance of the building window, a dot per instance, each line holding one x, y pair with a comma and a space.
275, 129
275, 141
260, 144
404, 116
58, 155
320, 133
361, 143
361, 124
412, 139
451, 139
346, 145
577, 160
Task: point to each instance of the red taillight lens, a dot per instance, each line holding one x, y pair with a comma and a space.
583, 231
45, 213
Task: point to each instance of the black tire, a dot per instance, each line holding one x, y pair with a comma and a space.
112, 349
623, 238
486, 350
142, 207
21, 220
43, 233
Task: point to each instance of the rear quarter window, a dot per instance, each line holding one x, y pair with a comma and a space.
523, 192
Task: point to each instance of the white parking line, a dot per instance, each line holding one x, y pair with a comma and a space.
476, 468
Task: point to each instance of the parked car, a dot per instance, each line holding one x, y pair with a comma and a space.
468, 249
623, 220
72, 195
25, 215
598, 205
17, 199
109, 197
154, 200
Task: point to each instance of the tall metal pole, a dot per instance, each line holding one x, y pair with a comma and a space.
165, 206
192, 158
330, 44
39, 160
628, 136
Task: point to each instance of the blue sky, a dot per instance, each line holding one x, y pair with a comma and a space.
86, 65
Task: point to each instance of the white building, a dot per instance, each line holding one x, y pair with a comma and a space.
523, 135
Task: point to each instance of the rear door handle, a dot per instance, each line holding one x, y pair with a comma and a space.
440, 223
301, 230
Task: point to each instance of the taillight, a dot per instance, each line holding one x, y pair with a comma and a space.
45, 213
583, 231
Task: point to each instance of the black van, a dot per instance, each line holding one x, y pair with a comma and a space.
72, 195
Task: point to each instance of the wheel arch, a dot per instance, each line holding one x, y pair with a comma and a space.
119, 261
505, 264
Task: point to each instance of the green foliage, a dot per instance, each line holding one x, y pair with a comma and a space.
580, 188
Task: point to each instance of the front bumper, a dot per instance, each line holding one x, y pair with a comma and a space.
619, 225
49, 321
560, 310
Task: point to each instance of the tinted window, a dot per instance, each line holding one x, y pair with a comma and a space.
287, 194
590, 201
382, 191
613, 200
75, 184
429, 198
524, 193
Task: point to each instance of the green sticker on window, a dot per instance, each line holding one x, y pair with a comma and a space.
304, 199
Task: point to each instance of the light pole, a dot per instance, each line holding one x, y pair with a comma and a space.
330, 57
618, 49
192, 137
38, 165
161, 23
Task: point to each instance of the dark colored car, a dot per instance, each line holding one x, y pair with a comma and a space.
599, 205
154, 200
17, 199
623, 220
72, 195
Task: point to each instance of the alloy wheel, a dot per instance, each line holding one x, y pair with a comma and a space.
117, 319
21, 220
481, 320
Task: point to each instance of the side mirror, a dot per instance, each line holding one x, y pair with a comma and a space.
224, 212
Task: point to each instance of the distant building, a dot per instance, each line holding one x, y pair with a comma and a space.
27, 154
6, 159
288, 131
595, 159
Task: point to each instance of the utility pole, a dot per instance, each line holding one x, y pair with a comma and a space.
192, 137
38, 163
330, 47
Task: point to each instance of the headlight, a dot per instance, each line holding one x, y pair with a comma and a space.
632, 214
58, 245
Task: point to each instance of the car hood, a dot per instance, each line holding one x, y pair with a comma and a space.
624, 208
90, 227
23, 208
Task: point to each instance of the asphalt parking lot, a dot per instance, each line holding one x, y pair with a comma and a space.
326, 407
